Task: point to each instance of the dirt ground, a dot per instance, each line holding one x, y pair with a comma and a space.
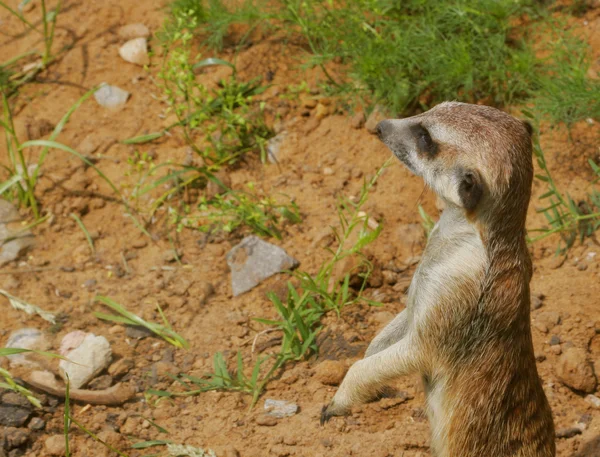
60, 276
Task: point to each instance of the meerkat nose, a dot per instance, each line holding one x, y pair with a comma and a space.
381, 129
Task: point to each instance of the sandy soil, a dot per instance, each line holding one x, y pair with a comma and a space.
58, 271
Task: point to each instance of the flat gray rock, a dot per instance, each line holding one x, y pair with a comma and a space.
25, 338
254, 260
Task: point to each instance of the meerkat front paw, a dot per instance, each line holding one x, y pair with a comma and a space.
332, 410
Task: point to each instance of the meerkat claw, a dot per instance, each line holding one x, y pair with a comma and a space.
325, 416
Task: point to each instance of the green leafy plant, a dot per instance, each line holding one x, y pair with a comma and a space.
235, 208
126, 317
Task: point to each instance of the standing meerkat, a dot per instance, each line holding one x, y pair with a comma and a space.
466, 327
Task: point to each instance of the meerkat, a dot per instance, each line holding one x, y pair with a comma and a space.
466, 327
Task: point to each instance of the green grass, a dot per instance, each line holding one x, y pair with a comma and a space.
412, 55
126, 317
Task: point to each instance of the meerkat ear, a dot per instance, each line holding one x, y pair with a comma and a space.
529, 127
470, 189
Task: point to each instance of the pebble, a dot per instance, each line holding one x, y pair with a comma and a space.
266, 421
322, 111
10, 228
554, 340
25, 338
70, 341
213, 189
582, 266
90, 283
568, 432
101, 382
328, 171
548, 318
121, 367
135, 51
376, 116
254, 260
358, 120
55, 445
86, 361
131, 31
556, 350
593, 400
330, 372
36, 424
575, 371
280, 408
536, 302
111, 96
16, 437
13, 415
139, 243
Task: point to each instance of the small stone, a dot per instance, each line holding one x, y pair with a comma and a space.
55, 445
131, 31
19, 240
274, 147
582, 266
86, 361
121, 367
556, 262
266, 421
556, 350
13, 416
593, 400
36, 424
540, 357
328, 171
358, 120
280, 408
15, 437
568, 432
536, 302
101, 382
254, 260
575, 371
376, 116
554, 340
549, 318
111, 96
171, 255
70, 341
135, 51
90, 283
330, 372
139, 243
137, 332
541, 326
25, 338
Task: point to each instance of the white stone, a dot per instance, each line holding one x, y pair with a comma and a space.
25, 338
135, 51
280, 408
111, 96
131, 31
86, 361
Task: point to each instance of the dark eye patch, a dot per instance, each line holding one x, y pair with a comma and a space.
425, 143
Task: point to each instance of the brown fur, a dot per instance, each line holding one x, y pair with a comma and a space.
472, 342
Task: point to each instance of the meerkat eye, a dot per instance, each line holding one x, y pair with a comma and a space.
425, 143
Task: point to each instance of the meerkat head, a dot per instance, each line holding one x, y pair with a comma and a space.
474, 157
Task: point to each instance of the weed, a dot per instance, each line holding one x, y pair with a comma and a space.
565, 217
79, 222
165, 331
222, 379
28, 308
235, 208
426, 221
13, 79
